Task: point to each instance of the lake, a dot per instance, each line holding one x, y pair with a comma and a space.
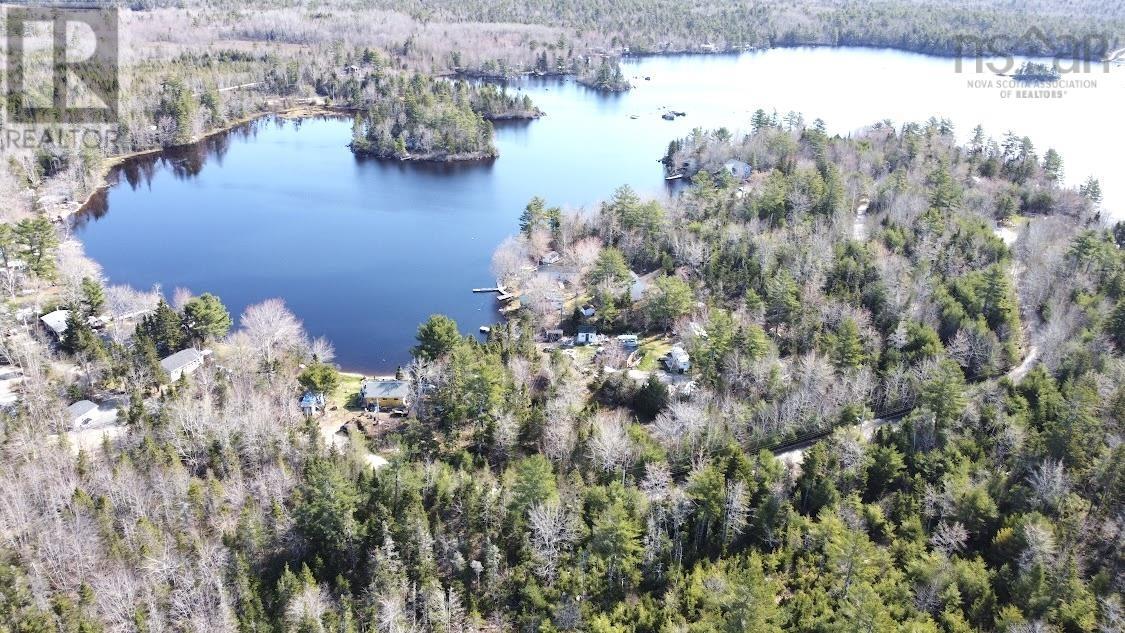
364, 250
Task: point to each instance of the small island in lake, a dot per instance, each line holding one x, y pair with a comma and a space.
606, 76
1033, 72
427, 119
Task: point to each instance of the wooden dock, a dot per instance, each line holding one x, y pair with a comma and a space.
499, 289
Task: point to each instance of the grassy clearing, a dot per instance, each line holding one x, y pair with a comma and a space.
652, 349
347, 393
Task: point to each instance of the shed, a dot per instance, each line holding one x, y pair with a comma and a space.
183, 362
587, 335
384, 393
551, 257
56, 322
629, 341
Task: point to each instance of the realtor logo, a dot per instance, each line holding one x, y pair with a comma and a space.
62, 64
1069, 53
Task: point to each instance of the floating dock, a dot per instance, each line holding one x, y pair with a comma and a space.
499, 289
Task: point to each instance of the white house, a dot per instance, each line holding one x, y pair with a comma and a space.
587, 335
56, 322
677, 360
183, 363
589, 311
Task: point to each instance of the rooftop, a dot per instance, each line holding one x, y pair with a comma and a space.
384, 389
182, 359
81, 409
56, 320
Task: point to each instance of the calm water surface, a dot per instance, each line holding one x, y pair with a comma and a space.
363, 250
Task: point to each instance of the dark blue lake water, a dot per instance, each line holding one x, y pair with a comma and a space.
364, 250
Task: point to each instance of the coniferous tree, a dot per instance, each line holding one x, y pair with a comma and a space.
164, 328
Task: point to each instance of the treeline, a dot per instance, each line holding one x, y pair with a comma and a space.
944, 28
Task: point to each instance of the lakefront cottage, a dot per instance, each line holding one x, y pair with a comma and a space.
385, 394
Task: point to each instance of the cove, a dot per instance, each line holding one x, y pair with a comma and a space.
363, 250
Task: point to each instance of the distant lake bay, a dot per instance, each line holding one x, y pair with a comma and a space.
363, 250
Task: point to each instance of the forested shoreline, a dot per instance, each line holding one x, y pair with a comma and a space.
599, 461
532, 489
187, 60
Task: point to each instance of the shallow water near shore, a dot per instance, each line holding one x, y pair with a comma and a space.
363, 250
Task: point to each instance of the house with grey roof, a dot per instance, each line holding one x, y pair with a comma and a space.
384, 393
183, 362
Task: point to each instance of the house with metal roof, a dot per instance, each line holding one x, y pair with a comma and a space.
384, 393
739, 170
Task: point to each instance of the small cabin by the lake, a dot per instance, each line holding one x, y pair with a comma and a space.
384, 393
